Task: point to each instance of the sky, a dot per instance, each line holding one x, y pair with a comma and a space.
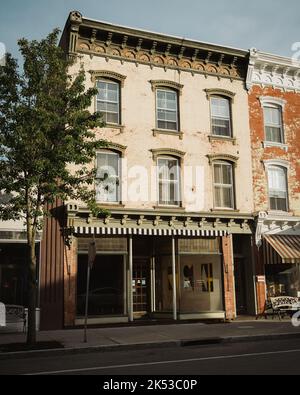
269, 25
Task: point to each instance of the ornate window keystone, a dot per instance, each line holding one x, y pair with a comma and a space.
116, 147
97, 74
219, 92
223, 157
168, 152
166, 84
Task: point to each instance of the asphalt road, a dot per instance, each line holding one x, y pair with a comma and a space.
268, 357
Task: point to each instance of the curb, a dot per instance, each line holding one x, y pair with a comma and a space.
148, 345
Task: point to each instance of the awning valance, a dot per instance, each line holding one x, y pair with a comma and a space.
89, 230
286, 247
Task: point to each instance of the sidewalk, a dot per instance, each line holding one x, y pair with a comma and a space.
161, 335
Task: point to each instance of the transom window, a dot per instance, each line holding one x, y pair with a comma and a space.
167, 109
273, 124
108, 177
278, 194
168, 181
108, 101
223, 185
221, 116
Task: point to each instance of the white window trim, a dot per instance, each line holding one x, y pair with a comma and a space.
119, 192
229, 100
274, 102
231, 186
178, 182
279, 164
119, 99
166, 89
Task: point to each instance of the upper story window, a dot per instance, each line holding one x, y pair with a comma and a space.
278, 188
168, 181
223, 185
273, 124
108, 177
108, 101
167, 109
221, 116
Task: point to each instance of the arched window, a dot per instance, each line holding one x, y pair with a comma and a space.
273, 124
168, 181
223, 181
278, 188
108, 100
220, 108
167, 109
108, 177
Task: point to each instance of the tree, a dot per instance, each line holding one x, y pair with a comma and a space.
45, 126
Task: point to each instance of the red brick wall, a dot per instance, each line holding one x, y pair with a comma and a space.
291, 121
260, 285
228, 272
70, 273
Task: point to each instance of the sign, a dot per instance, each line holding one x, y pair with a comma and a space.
2, 315
92, 254
260, 279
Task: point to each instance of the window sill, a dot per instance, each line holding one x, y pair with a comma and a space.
222, 138
224, 210
168, 132
110, 205
268, 144
114, 126
172, 209
279, 213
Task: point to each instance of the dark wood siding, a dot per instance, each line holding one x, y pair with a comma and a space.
52, 269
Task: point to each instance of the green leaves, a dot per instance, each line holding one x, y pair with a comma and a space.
45, 126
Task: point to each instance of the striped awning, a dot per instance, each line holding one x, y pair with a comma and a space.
287, 247
104, 231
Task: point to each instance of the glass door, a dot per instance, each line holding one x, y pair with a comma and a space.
141, 286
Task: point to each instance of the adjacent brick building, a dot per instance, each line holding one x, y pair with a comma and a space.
274, 105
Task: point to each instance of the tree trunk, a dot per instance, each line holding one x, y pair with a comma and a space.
32, 291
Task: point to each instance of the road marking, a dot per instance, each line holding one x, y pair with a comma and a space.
162, 362
246, 327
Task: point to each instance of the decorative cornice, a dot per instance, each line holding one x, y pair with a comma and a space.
270, 70
219, 92
166, 84
224, 157
97, 38
97, 74
167, 151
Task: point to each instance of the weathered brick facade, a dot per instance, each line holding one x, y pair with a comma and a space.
291, 122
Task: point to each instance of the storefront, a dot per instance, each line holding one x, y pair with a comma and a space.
199, 279
282, 265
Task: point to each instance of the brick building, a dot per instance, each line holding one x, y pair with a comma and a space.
274, 105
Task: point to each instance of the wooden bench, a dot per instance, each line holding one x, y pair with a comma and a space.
15, 315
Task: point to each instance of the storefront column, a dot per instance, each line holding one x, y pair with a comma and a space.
174, 279
229, 286
260, 279
130, 271
70, 277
